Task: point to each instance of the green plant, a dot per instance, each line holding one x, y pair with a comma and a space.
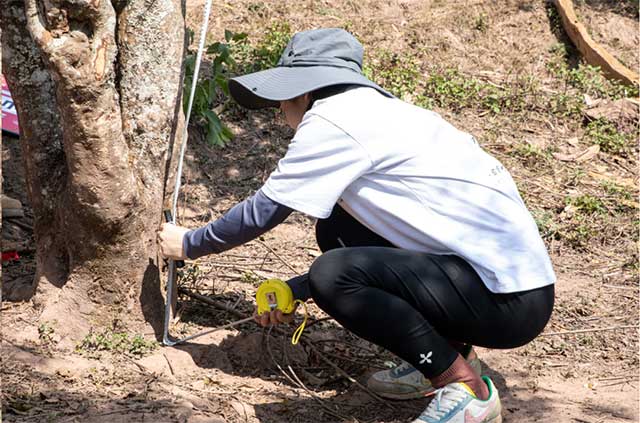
399, 74
207, 89
579, 232
531, 155
481, 22
607, 136
588, 204
450, 89
547, 227
114, 341
45, 332
620, 198
250, 278
189, 275
566, 104
268, 51
586, 79
615, 190
453, 90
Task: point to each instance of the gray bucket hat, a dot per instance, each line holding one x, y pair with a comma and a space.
312, 60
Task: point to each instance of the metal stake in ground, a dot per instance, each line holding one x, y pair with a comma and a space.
171, 280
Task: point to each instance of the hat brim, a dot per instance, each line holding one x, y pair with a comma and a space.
267, 88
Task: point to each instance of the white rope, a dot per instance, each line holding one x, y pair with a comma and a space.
176, 192
185, 132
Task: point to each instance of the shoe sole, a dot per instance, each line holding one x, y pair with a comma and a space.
405, 397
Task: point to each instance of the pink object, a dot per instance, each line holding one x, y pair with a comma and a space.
10, 256
9, 113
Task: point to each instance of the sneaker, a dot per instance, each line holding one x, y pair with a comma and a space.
405, 382
455, 403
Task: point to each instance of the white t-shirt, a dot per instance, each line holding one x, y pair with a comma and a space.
414, 179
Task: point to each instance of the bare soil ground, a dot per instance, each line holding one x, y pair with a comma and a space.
587, 211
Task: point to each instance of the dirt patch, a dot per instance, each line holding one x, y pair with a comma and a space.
613, 24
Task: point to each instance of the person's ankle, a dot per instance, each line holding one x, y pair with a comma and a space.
460, 371
480, 389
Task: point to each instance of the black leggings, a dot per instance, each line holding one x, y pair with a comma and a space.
416, 304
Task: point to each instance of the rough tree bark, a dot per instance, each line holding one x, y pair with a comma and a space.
96, 84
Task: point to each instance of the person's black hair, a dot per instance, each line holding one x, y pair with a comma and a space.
329, 91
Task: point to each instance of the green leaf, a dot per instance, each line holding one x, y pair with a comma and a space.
214, 48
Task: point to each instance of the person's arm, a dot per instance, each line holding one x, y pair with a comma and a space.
245, 221
300, 287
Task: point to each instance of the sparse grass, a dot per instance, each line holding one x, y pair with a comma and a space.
549, 229
451, 90
211, 89
588, 204
579, 232
45, 332
615, 190
481, 22
233, 56
620, 198
251, 278
189, 275
580, 80
531, 155
116, 342
266, 52
399, 74
607, 136
584, 78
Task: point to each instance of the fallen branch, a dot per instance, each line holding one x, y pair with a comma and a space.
210, 301
271, 250
572, 332
299, 383
345, 374
592, 52
634, 288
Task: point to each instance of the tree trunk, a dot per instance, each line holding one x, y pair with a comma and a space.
96, 84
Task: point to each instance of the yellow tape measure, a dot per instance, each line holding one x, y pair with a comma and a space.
274, 294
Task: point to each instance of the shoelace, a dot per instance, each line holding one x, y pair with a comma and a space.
442, 403
401, 368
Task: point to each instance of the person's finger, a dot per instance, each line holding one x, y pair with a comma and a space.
286, 318
256, 316
273, 317
264, 319
277, 315
282, 318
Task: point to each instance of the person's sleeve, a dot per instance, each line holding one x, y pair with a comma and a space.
300, 287
242, 223
321, 162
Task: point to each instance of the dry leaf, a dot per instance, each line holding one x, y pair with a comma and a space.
581, 156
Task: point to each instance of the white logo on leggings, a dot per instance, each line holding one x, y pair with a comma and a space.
426, 358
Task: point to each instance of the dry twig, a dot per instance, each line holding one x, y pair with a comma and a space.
345, 374
298, 383
279, 258
211, 301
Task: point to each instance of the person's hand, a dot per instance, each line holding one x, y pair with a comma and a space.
274, 317
170, 239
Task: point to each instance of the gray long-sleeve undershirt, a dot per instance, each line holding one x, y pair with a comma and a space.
242, 223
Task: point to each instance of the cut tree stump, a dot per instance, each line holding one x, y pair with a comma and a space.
593, 53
